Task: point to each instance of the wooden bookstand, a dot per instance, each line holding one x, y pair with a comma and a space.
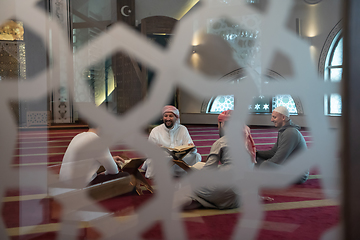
182, 164
132, 167
179, 154
97, 192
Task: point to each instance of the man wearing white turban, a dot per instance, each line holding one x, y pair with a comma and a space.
289, 142
171, 134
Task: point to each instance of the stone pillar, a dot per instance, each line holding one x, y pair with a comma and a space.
62, 106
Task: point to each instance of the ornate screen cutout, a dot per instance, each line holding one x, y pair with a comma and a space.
127, 129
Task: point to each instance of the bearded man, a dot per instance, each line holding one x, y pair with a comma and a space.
171, 134
289, 142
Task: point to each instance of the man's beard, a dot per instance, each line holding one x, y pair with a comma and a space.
171, 125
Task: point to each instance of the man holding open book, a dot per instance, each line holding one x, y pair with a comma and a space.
171, 134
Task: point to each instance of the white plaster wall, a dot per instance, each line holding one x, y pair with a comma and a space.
253, 119
169, 8
317, 21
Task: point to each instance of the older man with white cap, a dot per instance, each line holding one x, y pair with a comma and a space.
289, 142
171, 134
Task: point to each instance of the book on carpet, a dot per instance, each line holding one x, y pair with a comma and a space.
187, 167
198, 165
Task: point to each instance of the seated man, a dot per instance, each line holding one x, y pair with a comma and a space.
171, 134
289, 142
78, 163
214, 196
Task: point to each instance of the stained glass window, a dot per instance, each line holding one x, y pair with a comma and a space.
260, 104
285, 100
221, 103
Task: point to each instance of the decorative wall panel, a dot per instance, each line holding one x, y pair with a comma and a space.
128, 84
13, 67
62, 106
37, 118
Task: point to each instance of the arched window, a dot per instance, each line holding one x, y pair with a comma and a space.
221, 103
333, 72
331, 67
260, 104
285, 100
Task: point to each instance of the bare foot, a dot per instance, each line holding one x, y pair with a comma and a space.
266, 199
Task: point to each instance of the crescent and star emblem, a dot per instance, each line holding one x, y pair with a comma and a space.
123, 11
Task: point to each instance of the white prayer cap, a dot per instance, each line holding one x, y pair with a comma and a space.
283, 110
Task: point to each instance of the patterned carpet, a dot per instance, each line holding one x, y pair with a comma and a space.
298, 212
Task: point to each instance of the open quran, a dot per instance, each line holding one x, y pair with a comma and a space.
180, 151
181, 148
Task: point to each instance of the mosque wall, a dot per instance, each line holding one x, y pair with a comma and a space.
316, 22
126, 131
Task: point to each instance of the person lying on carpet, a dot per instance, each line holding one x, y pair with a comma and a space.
220, 197
78, 163
171, 134
289, 142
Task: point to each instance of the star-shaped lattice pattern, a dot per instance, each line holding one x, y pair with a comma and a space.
266, 106
171, 72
